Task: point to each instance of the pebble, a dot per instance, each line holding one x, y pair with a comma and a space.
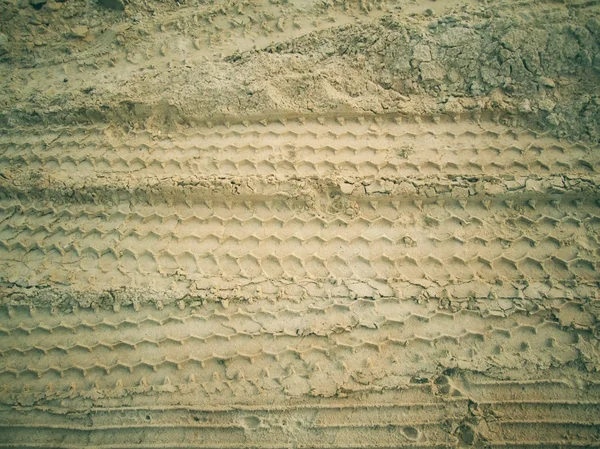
346, 188
525, 106
53, 6
546, 104
553, 119
547, 82
80, 31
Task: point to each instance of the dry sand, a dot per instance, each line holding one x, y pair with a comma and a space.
299, 224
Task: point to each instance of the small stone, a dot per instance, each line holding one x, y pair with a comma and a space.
80, 31
53, 6
117, 5
346, 188
37, 3
545, 104
525, 106
553, 119
453, 76
547, 82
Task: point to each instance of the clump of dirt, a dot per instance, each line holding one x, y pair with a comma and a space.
542, 66
154, 64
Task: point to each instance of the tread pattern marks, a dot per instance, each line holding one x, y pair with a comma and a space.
288, 347
359, 146
363, 363
452, 240
248, 238
268, 352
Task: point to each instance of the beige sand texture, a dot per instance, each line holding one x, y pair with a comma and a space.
299, 224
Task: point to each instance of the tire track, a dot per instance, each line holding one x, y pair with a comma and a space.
334, 279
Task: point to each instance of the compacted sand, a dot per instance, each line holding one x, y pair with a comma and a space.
299, 224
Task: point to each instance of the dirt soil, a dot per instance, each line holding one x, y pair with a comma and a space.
299, 224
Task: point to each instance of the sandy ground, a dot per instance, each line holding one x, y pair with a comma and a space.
299, 224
